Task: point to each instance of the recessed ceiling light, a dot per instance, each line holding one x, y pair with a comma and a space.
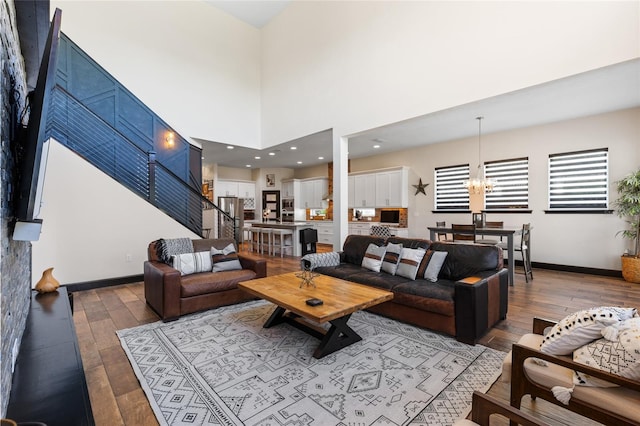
202, 158
294, 148
272, 153
376, 146
257, 157
229, 147
299, 162
248, 165
320, 158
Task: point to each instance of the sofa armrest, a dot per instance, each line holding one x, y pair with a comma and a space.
519, 353
162, 289
256, 264
540, 324
480, 302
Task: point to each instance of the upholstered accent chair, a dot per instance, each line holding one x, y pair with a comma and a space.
538, 374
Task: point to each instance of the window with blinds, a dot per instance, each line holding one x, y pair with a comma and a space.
579, 180
450, 194
512, 187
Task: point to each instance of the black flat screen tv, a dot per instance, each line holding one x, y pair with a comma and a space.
390, 216
32, 162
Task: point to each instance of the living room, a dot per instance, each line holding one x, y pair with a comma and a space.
282, 107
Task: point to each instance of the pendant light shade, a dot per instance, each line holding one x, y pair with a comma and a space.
479, 185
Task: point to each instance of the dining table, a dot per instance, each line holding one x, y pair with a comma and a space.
506, 231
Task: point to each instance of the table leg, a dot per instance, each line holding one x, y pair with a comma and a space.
510, 260
432, 235
339, 336
277, 317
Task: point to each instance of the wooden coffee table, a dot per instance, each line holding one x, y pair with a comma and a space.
340, 299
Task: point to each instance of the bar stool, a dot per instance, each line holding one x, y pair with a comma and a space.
279, 241
247, 237
264, 239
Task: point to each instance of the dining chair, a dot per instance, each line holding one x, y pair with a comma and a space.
466, 237
380, 231
525, 250
442, 236
492, 241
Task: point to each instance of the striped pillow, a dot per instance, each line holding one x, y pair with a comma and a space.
225, 259
192, 263
409, 262
391, 258
372, 259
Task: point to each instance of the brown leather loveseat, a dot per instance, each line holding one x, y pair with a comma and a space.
171, 295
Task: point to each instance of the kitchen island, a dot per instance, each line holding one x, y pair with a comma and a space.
294, 226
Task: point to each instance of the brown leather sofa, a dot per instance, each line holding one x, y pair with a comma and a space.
171, 295
470, 296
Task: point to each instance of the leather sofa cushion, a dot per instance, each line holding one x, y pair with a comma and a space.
342, 271
465, 260
360, 275
212, 282
356, 245
380, 280
198, 245
412, 243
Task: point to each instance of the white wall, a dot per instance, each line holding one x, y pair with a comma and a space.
195, 66
357, 65
91, 223
586, 240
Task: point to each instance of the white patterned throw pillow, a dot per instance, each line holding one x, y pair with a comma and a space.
409, 262
192, 263
620, 356
582, 327
372, 259
391, 258
225, 259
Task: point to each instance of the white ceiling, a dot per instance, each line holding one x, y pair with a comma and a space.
603, 90
595, 92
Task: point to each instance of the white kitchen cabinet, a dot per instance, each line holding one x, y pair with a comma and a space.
351, 195
226, 188
391, 188
312, 191
359, 228
364, 190
288, 189
325, 232
247, 190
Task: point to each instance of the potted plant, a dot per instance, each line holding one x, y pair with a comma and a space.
628, 207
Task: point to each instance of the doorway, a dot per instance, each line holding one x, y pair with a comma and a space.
271, 202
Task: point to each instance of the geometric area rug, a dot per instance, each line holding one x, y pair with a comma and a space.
221, 367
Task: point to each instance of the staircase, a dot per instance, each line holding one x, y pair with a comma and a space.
94, 115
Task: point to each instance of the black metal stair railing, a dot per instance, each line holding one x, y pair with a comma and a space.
74, 125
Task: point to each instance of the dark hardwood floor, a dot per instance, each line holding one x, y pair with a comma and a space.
118, 399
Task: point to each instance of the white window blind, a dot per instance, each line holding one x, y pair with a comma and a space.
450, 194
512, 188
579, 180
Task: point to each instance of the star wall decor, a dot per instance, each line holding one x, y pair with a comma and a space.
420, 187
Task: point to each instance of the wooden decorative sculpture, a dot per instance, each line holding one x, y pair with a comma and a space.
47, 283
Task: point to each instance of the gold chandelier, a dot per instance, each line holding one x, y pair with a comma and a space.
479, 185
